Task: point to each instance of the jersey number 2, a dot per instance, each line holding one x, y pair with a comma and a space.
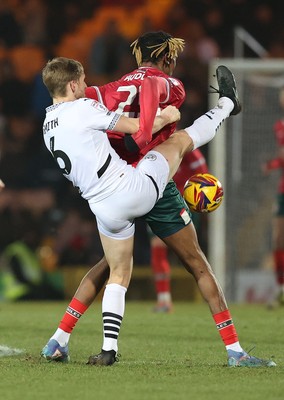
132, 90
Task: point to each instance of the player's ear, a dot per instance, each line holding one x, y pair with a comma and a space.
72, 85
167, 60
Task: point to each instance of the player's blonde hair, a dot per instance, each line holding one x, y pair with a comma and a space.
153, 45
58, 72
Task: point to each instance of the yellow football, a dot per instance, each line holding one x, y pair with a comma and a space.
203, 193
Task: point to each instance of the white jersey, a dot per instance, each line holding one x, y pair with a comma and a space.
74, 133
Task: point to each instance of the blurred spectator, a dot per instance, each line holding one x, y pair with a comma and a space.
77, 241
178, 17
198, 44
40, 98
63, 18
217, 27
261, 22
21, 273
236, 11
10, 29
107, 53
32, 16
15, 95
19, 145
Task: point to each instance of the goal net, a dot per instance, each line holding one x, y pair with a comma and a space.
240, 231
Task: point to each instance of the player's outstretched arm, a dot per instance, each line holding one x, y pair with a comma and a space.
131, 125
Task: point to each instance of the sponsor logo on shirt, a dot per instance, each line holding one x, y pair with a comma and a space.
99, 106
151, 157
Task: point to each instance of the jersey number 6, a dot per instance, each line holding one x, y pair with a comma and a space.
61, 158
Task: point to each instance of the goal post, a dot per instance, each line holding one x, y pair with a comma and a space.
239, 231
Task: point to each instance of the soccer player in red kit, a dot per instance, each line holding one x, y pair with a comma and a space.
192, 163
122, 96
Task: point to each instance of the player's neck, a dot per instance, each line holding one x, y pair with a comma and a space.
69, 95
57, 100
151, 65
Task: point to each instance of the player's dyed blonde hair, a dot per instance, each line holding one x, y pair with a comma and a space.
152, 46
58, 72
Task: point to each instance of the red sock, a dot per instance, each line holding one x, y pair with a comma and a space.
226, 328
72, 315
279, 266
161, 268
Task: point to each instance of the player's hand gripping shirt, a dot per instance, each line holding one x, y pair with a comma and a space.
122, 96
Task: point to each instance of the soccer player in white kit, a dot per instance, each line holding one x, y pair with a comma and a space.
74, 132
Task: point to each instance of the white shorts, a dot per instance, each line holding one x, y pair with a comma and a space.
136, 197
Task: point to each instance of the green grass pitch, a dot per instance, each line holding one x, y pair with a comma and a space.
163, 356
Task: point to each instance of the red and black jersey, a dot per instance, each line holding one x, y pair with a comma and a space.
123, 96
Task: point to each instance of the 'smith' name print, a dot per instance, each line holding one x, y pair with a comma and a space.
50, 125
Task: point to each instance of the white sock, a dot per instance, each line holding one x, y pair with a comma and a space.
235, 347
113, 306
164, 297
204, 128
61, 336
